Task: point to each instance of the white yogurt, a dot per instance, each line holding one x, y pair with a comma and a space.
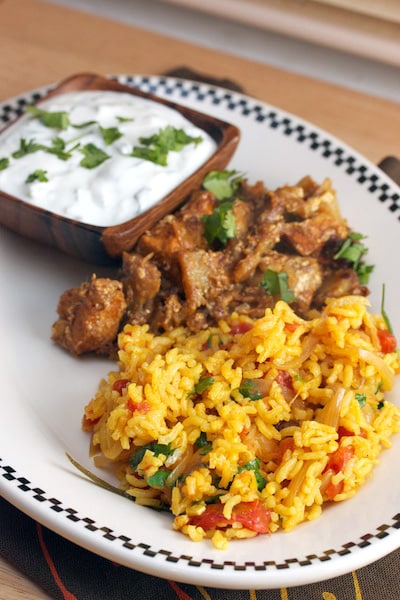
122, 186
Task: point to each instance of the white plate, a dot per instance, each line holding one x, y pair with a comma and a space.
43, 389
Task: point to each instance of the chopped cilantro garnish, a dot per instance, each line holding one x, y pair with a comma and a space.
254, 465
4, 162
277, 285
54, 120
58, 148
110, 134
83, 125
220, 225
361, 399
38, 175
159, 479
155, 155
203, 444
248, 390
381, 404
156, 147
223, 184
352, 250
202, 385
157, 449
124, 119
363, 272
93, 156
27, 147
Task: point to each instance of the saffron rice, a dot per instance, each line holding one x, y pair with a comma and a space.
251, 426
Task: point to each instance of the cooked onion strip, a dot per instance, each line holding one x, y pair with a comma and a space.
329, 415
380, 365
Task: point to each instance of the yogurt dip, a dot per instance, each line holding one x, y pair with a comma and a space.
88, 165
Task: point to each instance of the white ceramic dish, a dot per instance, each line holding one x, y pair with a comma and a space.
44, 389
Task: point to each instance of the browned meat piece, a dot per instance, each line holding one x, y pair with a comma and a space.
90, 316
204, 277
141, 283
337, 284
320, 198
261, 244
181, 231
243, 218
168, 314
251, 300
308, 237
304, 275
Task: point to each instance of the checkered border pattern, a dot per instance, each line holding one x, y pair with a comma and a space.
303, 133
39, 495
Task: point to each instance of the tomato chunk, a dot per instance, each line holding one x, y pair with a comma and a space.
339, 459
332, 489
343, 432
284, 379
119, 385
143, 407
387, 341
291, 327
251, 515
241, 327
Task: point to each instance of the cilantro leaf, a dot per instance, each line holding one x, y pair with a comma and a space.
155, 155
93, 156
38, 175
54, 120
157, 449
4, 162
159, 479
203, 444
223, 184
248, 390
110, 134
83, 125
202, 385
220, 225
361, 399
276, 284
254, 465
58, 148
156, 147
352, 251
124, 119
27, 147
169, 138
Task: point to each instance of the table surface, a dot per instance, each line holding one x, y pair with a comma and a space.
31, 56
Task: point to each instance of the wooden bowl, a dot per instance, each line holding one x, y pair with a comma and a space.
104, 245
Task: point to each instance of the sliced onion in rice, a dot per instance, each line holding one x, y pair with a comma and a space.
308, 346
329, 415
380, 365
181, 467
296, 484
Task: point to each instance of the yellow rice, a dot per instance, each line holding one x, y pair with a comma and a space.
276, 403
